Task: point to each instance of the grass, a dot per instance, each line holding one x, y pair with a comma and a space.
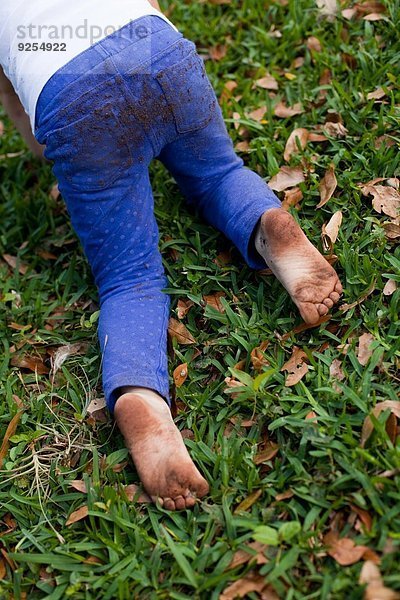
320, 475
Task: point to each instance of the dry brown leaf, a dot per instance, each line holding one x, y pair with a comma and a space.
349, 13
11, 429
375, 590
232, 383
287, 177
243, 146
328, 9
214, 300
179, 332
390, 287
63, 352
14, 262
3, 569
285, 112
54, 192
183, 308
180, 374
343, 550
330, 231
374, 17
335, 370
268, 453
243, 557
248, 502
392, 230
292, 198
364, 516
298, 137
258, 114
327, 186
268, 82
376, 94
251, 582
364, 348
284, 496
368, 427
335, 130
313, 44
79, 485
134, 492
386, 199
304, 327
77, 515
218, 52
257, 356
295, 366
97, 410
32, 363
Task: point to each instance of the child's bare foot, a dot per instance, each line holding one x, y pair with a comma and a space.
310, 280
158, 451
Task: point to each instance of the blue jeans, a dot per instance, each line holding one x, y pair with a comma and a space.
141, 93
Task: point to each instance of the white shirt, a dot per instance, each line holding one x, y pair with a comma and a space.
38, 37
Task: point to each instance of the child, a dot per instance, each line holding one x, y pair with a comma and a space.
104, 108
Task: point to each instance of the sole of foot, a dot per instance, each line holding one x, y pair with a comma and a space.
162, 461
310, 280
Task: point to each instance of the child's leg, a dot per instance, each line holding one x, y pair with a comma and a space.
103, 176
240, 204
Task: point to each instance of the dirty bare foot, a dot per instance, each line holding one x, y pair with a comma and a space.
310, 280
164, 466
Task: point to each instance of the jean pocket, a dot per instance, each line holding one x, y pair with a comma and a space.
189, 93
90, 153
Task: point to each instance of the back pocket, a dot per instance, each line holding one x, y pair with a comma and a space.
90, 153
189, 93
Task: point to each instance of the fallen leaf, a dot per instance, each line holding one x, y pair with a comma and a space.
64, 352
218, 52
298, 137
180, 374
285, 112
214, 300
335, 130
343, 550
243, 146
327, 9
284, 496
133, 492
245, 556
327, 186
79, 485
11, 429
364, 348
248, 502
330, 231
368, 427
364, 516
77, 515
392, 230
268, 82
374, 17
32, 363
349, 13
14, 262
3, 569
268, 453
335, 370
179, 332
390, 287
375, 588
376, 94
258, 114
295, 366
251, 582
386, 199
257, 356
97, 410
286, 177
183, 308
292, 198
313, 44
54, 192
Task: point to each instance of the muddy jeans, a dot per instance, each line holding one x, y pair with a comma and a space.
141, 93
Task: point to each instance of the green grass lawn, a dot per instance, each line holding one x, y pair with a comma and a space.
293, 468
